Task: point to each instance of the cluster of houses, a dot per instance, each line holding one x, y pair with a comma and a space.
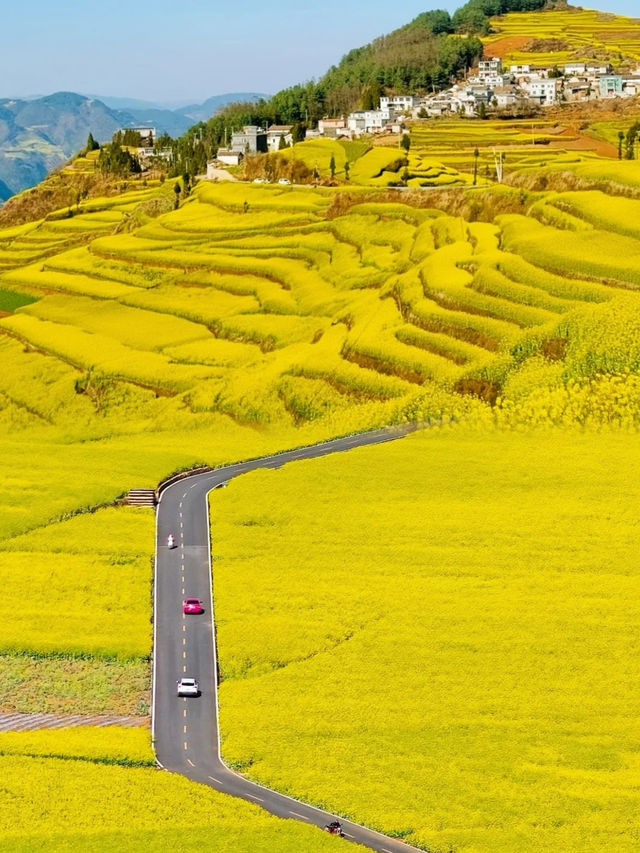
521, 85
146, 153
490, 86
254, 140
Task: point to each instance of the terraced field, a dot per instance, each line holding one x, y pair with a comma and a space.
378, 166
557, 37
285, 313
137, 342
520, 143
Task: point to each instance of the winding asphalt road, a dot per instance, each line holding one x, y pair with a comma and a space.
185, 731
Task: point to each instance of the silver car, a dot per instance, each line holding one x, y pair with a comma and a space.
188, 687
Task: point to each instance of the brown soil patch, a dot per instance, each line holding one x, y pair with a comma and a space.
616, 35
501, 47
581, 142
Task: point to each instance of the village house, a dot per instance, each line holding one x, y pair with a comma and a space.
402, 104
519, 69
438, 105
276, 133
148, 156
577, 89
572, 68
610, 86
505, 96
489, 68
597, 68
332, 127
370, 121
542, 91
228, 157
491, 80
249, 140
631, 86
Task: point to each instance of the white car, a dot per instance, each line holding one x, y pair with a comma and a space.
284, 181
260, 181
188, 687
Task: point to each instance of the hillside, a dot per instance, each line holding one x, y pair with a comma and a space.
435, 637
39, 135
138, 340
548, 37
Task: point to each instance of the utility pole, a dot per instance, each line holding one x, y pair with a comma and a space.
498, 158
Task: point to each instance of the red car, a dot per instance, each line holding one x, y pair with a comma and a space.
192, 605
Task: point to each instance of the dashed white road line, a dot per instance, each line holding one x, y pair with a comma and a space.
213, 779
184, 730
253, 797
189, 761
301, 816
185, 745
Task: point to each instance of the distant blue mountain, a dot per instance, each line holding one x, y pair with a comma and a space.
201, 112
39, 134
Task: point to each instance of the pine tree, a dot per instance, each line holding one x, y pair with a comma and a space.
92, 145
332, 167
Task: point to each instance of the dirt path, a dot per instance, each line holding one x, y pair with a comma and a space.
220, 175
31, 722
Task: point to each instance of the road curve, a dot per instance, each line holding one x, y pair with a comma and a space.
185, 731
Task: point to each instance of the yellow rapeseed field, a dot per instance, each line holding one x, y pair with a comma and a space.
440, 612
443, 628
54, 804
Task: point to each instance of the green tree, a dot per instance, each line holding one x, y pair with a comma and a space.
630, 143
620, 143
346, 170
476, 154
371, 96
405, 142
115, 160
177, 190
332, 167
92, 145
299, 132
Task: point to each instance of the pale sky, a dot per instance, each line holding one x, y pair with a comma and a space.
192, 49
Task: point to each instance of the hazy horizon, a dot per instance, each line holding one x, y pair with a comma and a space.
189, 55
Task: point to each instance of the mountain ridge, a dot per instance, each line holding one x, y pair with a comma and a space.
40, 134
